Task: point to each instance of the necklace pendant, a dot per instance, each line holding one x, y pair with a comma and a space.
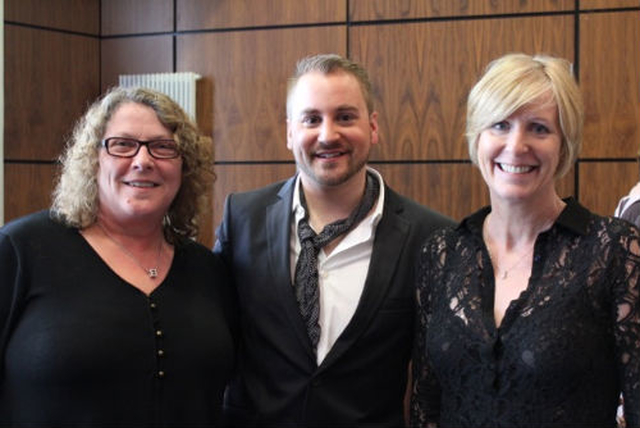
153, 273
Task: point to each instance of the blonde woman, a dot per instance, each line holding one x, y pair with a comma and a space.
529, 310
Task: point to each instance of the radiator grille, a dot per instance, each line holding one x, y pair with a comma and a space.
181, 87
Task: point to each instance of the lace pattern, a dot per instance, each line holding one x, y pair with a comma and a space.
566, 347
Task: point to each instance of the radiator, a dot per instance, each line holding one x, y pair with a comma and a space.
181, 87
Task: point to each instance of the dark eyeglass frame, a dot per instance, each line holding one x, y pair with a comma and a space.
149, 144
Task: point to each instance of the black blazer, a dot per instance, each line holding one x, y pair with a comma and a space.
362, 380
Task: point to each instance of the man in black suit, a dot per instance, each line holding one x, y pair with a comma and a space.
323, 265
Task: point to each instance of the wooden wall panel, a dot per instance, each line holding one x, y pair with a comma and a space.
206, 14
206, 232
28, 188
72, 15
607, 4
371, 10
136, 16
432, 185
49, 79
566, 185
610, 81
602, 184
240, 178
422, 73
249, 90
152, 54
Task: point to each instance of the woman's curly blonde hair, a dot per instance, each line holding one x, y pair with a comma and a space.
75, 198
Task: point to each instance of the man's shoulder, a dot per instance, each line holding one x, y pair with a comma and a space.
417, 212
262, 195
632, 213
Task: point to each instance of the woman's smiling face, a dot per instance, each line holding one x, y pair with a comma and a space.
140, 187
518, 156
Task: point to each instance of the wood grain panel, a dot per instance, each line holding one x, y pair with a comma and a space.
566, 185
28, 188
422, 73
206, 14
49, 79
136, 16
73, 15
247, 73
455, 189
206, 232
610, 81
135, 55
607, 4
240, 178
602, 184
371, 10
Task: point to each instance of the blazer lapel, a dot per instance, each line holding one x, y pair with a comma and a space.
391, 235
278, 227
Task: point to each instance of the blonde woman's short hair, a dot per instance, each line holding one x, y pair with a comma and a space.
515, 80
75, 198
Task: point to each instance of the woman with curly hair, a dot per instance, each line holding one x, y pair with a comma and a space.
110, 313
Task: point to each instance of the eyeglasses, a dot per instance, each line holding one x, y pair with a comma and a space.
129, 147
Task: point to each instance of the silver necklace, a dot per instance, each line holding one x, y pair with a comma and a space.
505, 272
152, 271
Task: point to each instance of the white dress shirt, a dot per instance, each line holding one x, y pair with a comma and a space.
341, 274
624, 203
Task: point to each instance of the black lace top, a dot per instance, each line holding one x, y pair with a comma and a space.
566, 347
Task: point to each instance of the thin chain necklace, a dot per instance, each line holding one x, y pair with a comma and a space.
505, 272
152, 271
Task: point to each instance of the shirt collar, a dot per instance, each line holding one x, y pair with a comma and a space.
374, 217
574, 217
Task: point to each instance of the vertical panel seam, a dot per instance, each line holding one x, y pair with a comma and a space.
174, 37
576, 71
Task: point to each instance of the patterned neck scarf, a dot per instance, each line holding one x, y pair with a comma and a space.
306, 274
